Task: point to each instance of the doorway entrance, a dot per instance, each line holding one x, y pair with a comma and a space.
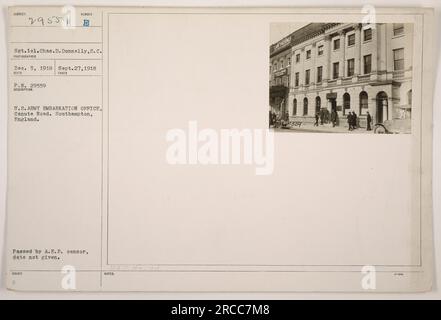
382, 107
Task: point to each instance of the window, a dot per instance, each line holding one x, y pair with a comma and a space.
318, 104
382, 107
308, 54
409, 98
297, 79
305, 106
336, 44
278, 81
351, 64
351, 39
398, 29
363, 102
346, 102
297, 57
335, 71
320, 50
294, 107
367, 34
307, 75
289, 61
282, 64
399, 59
319, 74
367, 64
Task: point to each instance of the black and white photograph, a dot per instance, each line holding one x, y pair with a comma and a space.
341, 77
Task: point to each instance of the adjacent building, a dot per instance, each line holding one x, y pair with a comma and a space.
280, 74
343, 67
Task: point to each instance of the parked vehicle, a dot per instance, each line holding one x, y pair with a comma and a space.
393, 126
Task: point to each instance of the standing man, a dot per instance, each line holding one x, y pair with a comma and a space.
316, 119
354, 119
369, 120
274, 118
334, 118
349, 118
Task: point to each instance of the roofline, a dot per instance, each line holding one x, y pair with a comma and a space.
301, 38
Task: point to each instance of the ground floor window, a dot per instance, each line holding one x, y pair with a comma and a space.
364, 102
346, 102
382, 107
305, 106
318, 104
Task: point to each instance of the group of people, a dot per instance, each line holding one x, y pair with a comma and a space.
353, 121
277, 120
272, 118
324, 117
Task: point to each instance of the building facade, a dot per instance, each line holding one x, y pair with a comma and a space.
345, 67
280, 74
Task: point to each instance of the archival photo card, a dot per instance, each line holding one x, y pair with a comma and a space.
154, 149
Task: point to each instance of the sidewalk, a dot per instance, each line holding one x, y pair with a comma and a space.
326, 128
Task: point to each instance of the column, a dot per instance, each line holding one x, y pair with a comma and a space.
389, 108
342, 52
302, 70
373, 106
374, 53
291, 70
313, 75
327, 65
358, 41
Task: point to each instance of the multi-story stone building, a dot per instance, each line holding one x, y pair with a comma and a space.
280, 73
344, 67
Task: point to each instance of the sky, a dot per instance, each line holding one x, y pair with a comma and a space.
280, 30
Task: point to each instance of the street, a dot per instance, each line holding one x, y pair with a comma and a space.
326, 128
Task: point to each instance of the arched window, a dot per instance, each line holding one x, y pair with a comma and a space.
364, 102
382, 107
346, 102
409, 98
305, 106
318, 104
294, 107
